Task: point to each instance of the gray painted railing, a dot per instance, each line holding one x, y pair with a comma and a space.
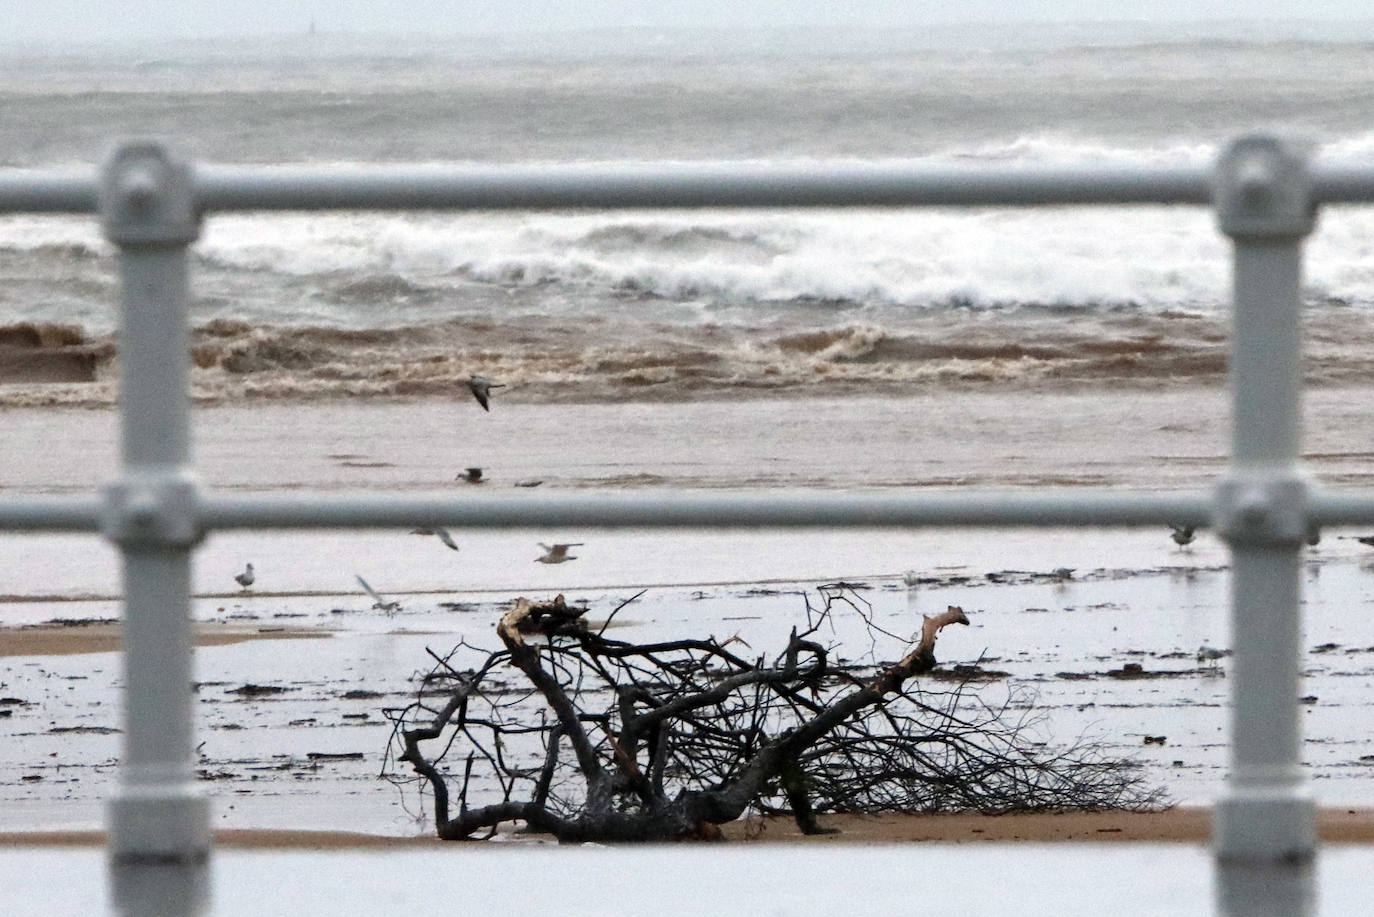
1265, 193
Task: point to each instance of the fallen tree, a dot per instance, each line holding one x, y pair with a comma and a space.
590, 738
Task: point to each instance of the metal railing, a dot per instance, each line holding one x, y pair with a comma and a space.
151, 202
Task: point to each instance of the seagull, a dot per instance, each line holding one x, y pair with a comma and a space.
729, 640
441, 534
481, 387
245, 579
378, 601
556, 554
1207, 654
1182, 534
471, 475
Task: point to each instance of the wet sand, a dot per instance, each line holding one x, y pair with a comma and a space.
1178, 825
72, 637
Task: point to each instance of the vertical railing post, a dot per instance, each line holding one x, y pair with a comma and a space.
1264, 831
159, 824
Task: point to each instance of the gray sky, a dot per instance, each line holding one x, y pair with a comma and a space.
123, 20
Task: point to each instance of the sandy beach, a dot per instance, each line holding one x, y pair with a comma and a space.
293, 729
1179, 825
73, 637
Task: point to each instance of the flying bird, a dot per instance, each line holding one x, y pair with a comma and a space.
557, 554
729, 640
481, 387
245, 579
1183, 535
378, 601
441, 534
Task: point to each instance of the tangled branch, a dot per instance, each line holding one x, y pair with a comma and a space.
590, 738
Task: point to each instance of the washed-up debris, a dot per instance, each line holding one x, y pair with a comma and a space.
252, 690
1136, 670
1155, 740
335, 756
360, 694
90, 730
967, 673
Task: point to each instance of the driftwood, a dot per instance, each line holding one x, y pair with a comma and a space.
601, 739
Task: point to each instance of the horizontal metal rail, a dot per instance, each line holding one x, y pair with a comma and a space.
710, 510
670, 509
820, 184
52, 514
669, 185
49, 191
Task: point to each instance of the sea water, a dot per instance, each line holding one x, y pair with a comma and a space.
685, 305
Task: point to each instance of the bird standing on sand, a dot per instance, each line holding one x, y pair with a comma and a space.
1210, 655
471, 475
245, 579
558, 553
1182, 535
481, 387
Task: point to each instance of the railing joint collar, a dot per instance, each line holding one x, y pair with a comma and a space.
1262, 506
154, 507
147, 197
1264, 189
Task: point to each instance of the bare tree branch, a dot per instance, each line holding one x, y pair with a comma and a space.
608, 740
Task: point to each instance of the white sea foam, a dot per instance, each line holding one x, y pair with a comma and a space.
1147, 256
